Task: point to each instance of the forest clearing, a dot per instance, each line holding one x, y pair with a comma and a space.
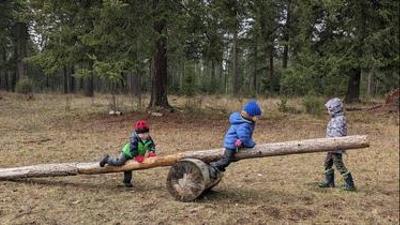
128, 112
276, 190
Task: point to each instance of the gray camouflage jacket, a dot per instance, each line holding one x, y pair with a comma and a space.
337, 126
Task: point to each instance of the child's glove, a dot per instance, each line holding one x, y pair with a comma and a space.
139, 158
151, 154
238, 143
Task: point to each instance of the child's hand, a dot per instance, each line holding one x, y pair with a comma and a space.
139, 158
238, 143
151, 154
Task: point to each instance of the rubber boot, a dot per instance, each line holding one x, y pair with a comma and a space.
348, 182
104, 161
329, 179
127, 179
214, 172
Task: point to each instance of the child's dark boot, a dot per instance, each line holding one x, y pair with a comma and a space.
104, 161
214, 172
329, 179
128, 179
348, 182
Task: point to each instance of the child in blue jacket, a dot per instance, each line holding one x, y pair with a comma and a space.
239, 135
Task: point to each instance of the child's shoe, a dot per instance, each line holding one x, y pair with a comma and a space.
128, 185
214, 172
329, 179
104, 161
349, 183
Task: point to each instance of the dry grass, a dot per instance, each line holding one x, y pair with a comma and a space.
278, 190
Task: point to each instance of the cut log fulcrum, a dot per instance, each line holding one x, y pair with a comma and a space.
188, 177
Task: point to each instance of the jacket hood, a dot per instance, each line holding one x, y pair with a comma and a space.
236, 118
335, 107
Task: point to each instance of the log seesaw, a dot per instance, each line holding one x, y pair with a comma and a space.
188, 177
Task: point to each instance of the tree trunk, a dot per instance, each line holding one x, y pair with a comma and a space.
21, 32
271, 68
369, 83
89, 81
65, 80
285, 57
159, 97
213, 81
89, 87
190, 178
47, 83
3, 70
14, 80
72, 80
261, 150
235, 66
136, 87
353, 88
6, 81
182, 75
255, 71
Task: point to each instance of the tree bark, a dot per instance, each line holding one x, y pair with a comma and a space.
21, 32
190, 178
136, 87
255, 71
159, 97
182, 75
3, 70
271, 68
369, 83
14, 79
65, 80
213, 80
89, 88
89, 82
262, 150
6, 80
285, 57
71, 80
353, 88
235, 65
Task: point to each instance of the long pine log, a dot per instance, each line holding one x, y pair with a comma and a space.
261, 150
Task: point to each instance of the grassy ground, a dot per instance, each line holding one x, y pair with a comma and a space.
276, 190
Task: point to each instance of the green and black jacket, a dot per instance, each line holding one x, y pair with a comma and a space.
138, 146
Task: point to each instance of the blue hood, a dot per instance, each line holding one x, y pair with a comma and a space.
236, 119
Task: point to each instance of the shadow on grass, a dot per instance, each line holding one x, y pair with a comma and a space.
84, 184
249, 197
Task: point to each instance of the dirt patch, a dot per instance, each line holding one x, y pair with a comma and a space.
298, 214
271, 211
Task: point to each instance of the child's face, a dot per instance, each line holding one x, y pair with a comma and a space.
329, 112
247, 116
144, 136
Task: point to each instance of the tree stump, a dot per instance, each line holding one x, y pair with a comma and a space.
190, 178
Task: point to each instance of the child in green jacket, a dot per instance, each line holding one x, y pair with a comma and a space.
141, 145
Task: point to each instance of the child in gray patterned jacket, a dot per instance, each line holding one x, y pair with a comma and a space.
337, 127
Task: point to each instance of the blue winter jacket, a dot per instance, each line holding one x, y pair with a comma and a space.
240, 129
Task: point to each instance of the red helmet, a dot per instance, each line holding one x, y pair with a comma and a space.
141, 126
